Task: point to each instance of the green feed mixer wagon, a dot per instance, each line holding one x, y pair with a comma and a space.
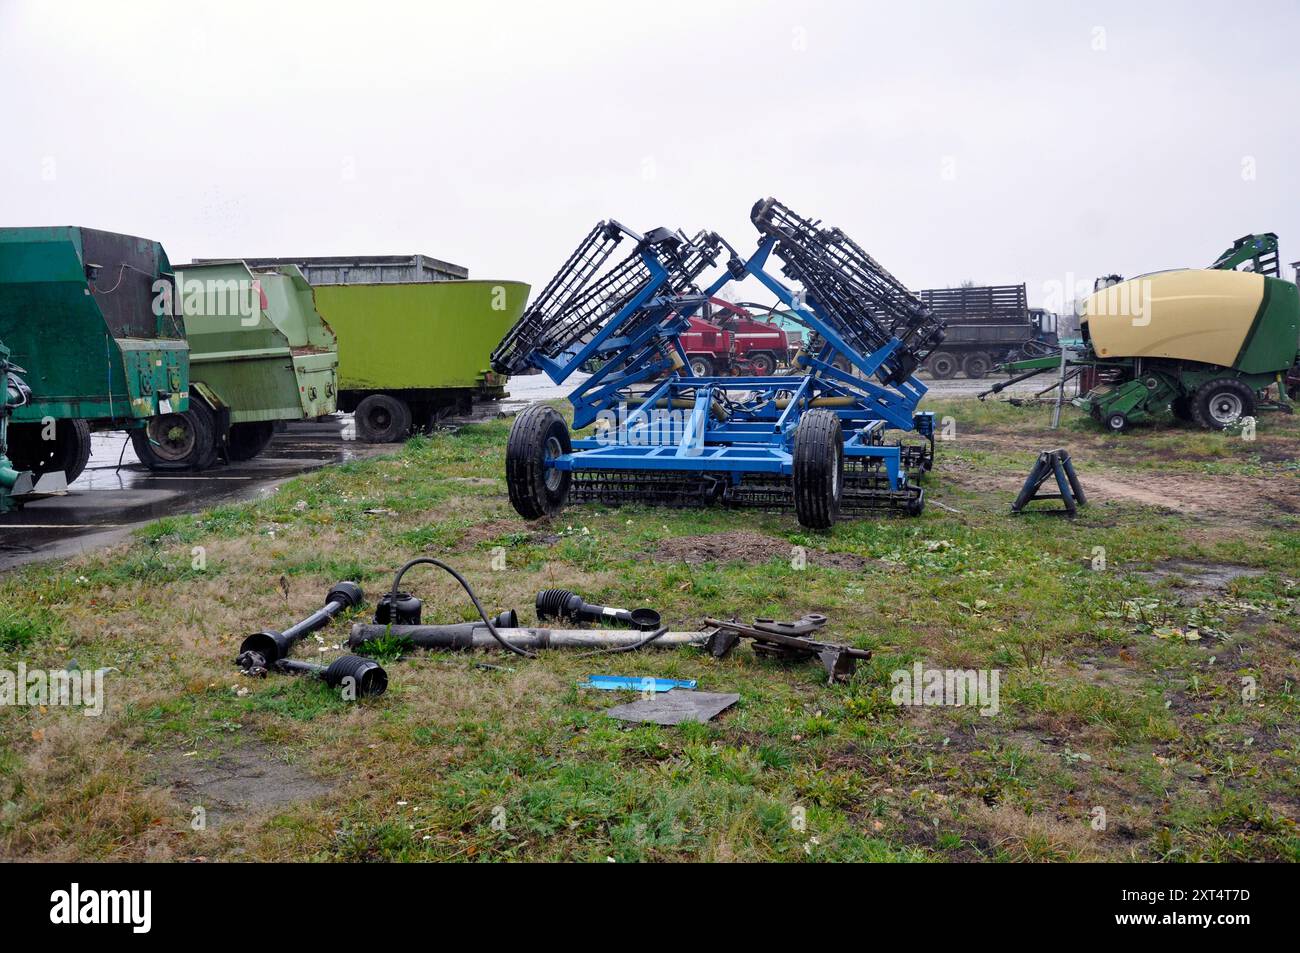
259, 354
84, 312
1205, 344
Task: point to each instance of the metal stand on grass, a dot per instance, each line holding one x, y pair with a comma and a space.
1052, 463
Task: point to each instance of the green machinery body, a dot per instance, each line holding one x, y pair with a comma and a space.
14, 483
82, 311
258, 347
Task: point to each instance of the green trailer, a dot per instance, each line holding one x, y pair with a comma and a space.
411, 351
87, 314
259, 354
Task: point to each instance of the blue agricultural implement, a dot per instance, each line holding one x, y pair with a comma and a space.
661, 433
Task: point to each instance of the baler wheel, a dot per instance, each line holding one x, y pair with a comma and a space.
818, 469
1220, 402
382, 418
185, 441
248, 440
539, 434
1117, 423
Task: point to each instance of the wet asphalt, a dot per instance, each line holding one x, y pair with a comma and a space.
116, 494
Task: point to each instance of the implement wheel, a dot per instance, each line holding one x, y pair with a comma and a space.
68, 452
538, 435
381, 418
248, 440
1221, 402
818, 469
185, 441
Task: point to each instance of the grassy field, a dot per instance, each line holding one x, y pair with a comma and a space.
1126, 642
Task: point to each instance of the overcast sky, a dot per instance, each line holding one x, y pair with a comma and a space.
999, 142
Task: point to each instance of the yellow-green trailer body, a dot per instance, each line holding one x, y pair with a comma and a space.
419, 340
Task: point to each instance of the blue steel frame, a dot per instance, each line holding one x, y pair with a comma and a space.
757, 434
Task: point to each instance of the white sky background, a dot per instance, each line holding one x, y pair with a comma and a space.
1000, 142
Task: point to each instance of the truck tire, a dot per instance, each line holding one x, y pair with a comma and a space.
68, 452
1219, 402
701, 366
382, 418
537, 435
977, 365
764, 363
942, 365
185, 441
248, 440
818, 469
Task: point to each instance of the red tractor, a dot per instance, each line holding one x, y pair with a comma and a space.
727, 339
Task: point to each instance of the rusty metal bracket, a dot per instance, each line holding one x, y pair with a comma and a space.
787, 642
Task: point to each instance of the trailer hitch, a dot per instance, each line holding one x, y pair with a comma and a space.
272, 646
787, 642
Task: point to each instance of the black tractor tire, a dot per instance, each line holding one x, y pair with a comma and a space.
67, 453
248, 440
818, 469
382, 418
701, 366
763, 363
1217, 403
976, 366
537, 435
942, 365
185, 441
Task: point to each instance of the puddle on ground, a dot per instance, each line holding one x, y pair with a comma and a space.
249, 779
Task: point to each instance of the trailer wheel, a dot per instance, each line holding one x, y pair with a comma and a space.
764, 363
381, 418
701, 366
185, 441
1221, 402
977, 365
818, 469
248, 440
68, 452
942, 365
538, 434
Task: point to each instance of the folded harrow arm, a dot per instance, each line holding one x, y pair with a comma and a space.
814, 438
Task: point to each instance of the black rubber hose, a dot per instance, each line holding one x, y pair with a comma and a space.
473, 598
